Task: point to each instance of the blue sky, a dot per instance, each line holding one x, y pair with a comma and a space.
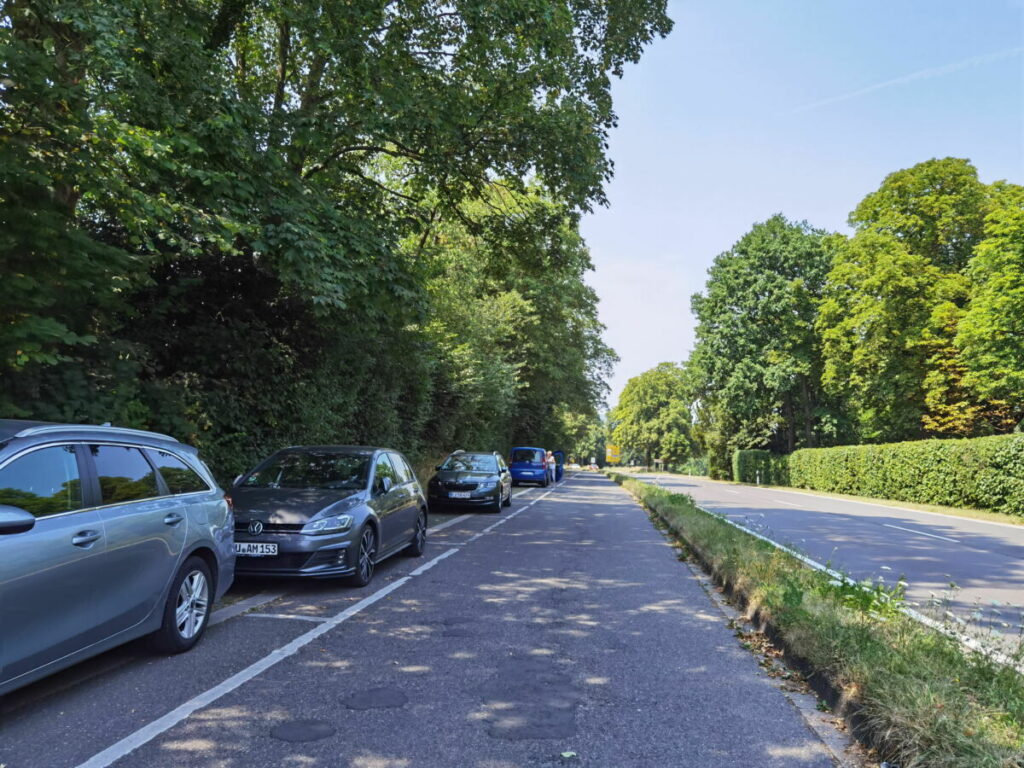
753, 107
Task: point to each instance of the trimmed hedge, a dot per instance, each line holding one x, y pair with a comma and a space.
763, 467
981, 472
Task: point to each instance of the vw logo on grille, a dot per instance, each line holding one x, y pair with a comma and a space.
255, 527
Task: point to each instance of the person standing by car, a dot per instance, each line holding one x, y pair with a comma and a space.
552, 466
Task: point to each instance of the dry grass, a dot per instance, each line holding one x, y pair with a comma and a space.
929, 703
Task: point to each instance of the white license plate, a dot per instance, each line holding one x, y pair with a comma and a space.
459, 494
255, 549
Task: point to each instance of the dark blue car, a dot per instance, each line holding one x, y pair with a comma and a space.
528, 465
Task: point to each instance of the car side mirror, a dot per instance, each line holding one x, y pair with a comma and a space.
15, 520
388, 484
437, 468
502, 470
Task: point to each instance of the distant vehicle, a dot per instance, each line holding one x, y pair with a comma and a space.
471, 480
574, 465
528, 465
106, 535
328, 511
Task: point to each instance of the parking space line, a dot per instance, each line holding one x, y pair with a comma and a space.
149, 732
431, 563
236, 609
317, 619
447, 523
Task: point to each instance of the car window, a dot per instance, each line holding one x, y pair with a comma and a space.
401, 467
470, 462
124, 474
501, 463
381, 470
527, 455
178, 475
44, 482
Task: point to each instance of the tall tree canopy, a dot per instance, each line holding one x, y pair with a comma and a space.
652, 418
213, 211
757, 365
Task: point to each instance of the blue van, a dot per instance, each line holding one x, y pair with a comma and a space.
528, 465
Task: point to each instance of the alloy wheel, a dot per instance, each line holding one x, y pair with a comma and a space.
192, 605
367, 549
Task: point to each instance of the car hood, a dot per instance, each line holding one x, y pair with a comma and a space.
462, 476
290, 505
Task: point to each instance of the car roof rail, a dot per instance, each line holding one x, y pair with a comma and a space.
126, 431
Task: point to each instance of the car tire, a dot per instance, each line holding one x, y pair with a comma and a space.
187, 610
366, 554
508, 499
419, 537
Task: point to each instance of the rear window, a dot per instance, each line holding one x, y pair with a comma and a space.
520, 455
180, 477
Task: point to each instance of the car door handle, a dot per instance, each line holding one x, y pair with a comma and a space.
173, 518
85, 538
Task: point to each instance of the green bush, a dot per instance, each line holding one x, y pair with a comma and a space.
983, 472
762, 467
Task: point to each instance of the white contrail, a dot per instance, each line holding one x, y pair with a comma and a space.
923, 74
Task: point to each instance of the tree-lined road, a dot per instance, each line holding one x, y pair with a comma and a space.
564, 625
868, 540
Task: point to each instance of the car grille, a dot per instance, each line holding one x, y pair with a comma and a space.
293, 561
243, 527
451, 486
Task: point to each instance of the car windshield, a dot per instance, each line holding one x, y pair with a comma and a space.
520, 455
313, 469
471, 462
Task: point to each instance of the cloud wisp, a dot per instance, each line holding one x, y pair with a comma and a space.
923, 74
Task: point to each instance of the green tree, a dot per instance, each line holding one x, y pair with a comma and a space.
935, 208
877, 305
756, 366
991, 334
652, 418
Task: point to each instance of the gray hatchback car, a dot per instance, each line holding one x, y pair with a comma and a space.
326, 511
106, 535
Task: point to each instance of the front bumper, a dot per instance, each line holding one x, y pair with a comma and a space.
299, 555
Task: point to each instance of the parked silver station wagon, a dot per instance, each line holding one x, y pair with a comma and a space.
106, 535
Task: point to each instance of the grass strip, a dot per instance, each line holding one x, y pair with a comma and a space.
920, 699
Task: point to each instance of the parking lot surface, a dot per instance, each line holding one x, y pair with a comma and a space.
563, 631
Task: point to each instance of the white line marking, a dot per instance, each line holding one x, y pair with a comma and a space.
317, 619
921, 533
235, 609
962, 637
149, 732
877, 504
431, 563
446, 523
730, 490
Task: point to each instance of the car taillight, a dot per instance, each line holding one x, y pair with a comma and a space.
230, 501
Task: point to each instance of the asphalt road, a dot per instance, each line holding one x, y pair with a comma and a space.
566, 624
868, 540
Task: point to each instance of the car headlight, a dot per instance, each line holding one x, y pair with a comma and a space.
328, 524
486, 486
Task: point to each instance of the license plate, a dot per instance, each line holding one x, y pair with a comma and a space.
255, 549
459, 494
